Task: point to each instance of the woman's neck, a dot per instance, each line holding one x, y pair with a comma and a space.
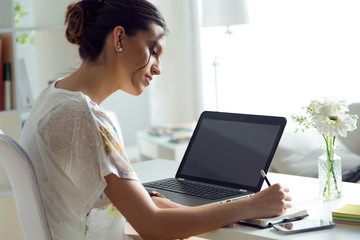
91, 79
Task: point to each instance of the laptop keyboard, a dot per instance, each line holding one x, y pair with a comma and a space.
193, 189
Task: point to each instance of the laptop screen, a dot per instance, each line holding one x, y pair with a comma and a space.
232, 149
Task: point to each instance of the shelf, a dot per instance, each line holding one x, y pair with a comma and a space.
153, 147
14, 112
40, 28
6, 30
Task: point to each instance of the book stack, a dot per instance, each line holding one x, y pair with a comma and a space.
1, 78
7, 86
349, 214
5, 82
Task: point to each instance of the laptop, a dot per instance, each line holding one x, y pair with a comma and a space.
223, 159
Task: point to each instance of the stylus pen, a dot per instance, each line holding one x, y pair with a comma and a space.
263, 174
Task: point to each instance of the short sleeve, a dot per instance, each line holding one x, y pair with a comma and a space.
116, 160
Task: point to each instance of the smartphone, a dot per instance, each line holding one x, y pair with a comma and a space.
303, 226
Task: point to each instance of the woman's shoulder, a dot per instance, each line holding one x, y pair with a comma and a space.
53, 100
61, 109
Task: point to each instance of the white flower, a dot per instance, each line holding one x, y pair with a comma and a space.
329, 118
334, 125
330, 105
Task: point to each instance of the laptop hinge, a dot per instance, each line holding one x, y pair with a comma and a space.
240, 190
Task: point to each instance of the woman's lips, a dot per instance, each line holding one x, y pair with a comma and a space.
149, 78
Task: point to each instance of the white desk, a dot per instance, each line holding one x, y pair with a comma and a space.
305, 196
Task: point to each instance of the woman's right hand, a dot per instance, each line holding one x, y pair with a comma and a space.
271, 202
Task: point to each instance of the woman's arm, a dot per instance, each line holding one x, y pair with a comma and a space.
165, 203
153, 222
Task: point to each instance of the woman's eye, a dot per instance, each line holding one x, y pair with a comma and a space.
153, 51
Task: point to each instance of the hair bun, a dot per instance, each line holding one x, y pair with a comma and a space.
74, 18
89, 22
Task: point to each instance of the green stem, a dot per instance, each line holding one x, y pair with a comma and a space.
332, 169
329, 157
330, 143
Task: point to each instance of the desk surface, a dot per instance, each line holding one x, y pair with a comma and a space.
304, 191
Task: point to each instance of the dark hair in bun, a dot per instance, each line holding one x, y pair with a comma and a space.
90, 21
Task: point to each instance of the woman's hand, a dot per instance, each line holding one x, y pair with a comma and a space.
270, 202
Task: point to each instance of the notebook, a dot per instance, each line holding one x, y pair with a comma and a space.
348, 214
223, 159
294, 215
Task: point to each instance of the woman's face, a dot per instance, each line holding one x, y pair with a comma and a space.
141, 58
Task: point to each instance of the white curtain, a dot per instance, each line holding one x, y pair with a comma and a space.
175, 96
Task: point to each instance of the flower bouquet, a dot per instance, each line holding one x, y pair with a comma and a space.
330, 119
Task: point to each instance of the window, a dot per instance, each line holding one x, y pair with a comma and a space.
289, 53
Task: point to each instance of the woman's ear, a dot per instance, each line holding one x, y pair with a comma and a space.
118, 34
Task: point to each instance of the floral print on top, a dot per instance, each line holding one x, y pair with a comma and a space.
112, 145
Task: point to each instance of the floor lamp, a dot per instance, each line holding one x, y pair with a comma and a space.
222, 13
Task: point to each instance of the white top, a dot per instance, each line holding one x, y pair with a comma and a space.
73, 145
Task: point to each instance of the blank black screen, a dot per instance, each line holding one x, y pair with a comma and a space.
229, 151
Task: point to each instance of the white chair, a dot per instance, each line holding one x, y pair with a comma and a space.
24, 183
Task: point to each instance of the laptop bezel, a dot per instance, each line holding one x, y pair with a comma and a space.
226, 116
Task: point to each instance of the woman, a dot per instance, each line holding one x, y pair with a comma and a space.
85, 177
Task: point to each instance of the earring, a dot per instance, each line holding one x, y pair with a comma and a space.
119, 48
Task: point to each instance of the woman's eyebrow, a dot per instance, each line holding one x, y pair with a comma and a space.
160, 36
156, 42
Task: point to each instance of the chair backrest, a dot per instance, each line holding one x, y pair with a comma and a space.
29, 204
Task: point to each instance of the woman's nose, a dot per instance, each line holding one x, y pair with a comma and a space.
156, 69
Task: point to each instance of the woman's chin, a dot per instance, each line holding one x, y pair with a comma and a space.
137, 91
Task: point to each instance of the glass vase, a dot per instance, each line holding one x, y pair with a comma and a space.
330, 174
